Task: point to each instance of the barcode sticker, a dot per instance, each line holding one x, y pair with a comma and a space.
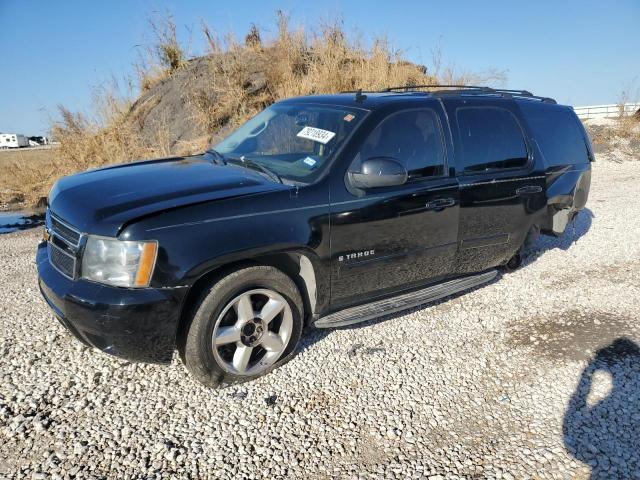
316, 134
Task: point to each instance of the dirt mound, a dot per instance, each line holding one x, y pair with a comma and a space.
209, 95
166, 107
173, 112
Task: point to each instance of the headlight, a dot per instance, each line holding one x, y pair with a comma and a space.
119, 263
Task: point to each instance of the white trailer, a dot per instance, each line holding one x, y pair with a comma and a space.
13, 140
39, 140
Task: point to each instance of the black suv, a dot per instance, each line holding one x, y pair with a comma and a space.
321, 210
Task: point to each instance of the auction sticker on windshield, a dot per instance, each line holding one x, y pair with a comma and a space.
316, 134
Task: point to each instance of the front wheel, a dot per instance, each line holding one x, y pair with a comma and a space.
246, 325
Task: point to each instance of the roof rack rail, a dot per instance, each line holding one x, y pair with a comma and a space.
458, 87
525, 94
465, 89
475, 89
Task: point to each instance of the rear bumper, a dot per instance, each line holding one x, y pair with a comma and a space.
137, 324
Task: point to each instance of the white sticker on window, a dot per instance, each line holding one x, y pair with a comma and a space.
316, 134
309, 161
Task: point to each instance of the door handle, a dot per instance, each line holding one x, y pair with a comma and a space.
529, 189
440, 203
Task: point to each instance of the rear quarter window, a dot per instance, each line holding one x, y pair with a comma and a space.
557, 132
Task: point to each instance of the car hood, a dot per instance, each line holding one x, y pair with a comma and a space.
102, 201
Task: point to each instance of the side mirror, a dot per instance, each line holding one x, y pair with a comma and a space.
378, 172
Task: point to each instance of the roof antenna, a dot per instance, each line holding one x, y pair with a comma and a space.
360, 97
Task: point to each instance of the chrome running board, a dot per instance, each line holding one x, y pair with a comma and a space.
404, 301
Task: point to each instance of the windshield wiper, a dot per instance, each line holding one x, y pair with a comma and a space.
219, 158
247, 162
222, 159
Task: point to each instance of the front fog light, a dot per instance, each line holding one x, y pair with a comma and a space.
119, 263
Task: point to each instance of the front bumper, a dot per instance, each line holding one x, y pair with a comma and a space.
137, 324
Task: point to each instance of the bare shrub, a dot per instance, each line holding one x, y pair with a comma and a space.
451, 74
168, 50
253, 39
163, 56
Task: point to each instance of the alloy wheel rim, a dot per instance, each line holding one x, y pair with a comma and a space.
252, 332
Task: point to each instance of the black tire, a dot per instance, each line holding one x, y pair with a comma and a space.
513, 264
197, 349
532, 236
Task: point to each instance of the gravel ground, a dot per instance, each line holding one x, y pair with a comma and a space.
536, 375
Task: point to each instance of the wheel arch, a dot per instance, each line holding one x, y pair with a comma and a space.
566, 196
301, 266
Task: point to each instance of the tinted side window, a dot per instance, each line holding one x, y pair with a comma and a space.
557, 132
413, 137
491, 139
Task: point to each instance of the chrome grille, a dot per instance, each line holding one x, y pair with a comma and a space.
63, 246
64, 262
64, 231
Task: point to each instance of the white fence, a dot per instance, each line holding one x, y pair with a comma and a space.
22, 149
612, 110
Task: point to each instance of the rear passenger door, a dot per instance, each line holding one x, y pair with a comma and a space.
501, 190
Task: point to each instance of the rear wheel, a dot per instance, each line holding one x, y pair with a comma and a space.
246, 325
514, 263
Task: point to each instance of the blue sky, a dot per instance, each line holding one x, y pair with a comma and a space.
581, 51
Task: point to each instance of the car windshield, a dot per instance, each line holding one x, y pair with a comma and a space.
295, 141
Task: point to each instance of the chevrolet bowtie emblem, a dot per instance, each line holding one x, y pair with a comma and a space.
45, 234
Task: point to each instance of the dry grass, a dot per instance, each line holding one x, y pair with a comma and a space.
616, 139
629, 127
626, 129
20, 168
295, 63
244, 78
84, 143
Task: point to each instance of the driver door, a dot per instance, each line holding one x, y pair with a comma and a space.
393, 238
